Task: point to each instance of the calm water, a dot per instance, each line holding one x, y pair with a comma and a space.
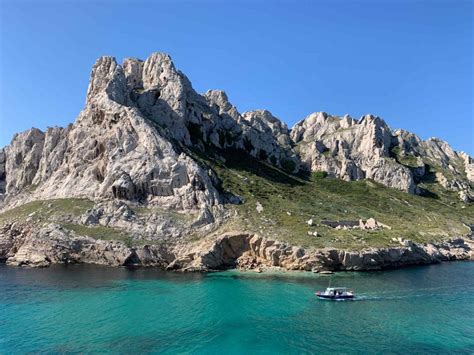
97, 309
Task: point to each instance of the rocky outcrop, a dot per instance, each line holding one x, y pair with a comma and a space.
158, 225
468, 166
251, 251
142, 140
369, 224
23, 156
128, 141
368, 149
22, 245
350, 149
2, 174
121, 145
112, 151
452, 169
257, 133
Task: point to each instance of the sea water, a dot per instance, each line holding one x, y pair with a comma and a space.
91, 309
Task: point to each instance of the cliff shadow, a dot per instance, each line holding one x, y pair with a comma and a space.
240, 160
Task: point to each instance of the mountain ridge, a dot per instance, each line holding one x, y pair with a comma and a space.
159, 162
165, 95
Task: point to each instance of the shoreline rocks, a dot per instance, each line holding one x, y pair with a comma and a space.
25, 246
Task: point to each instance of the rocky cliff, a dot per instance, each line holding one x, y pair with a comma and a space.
368, 149
147, 141
21, 245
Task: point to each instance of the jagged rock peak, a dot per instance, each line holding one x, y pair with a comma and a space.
139, 115
156, 72
133, 70
107, 77
219, 100
158, 69
264, 120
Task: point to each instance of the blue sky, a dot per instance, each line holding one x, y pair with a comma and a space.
409, 62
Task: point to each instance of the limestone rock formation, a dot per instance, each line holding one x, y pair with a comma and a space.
368, 149
251, 251
369, 224
350, 149
2, 174
140, 144
22, 245
112, 151
453, 170
125, 144
120, 146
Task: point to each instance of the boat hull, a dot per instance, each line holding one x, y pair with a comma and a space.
335, 298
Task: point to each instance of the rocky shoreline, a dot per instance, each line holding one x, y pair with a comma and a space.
23, 245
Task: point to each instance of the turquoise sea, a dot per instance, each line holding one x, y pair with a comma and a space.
91, 309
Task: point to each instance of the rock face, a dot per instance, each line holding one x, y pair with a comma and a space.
120, 146
2, 174
253, 251
138, 142
127, 144
368, 149
22, 246
112, 151
350, 149
453, 170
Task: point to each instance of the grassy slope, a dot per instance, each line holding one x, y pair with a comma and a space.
289, 201
59, 211
56, 210
418, 218
44, 211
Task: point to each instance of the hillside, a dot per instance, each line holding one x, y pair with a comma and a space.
153, 173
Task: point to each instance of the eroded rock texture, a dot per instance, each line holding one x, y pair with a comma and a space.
252, 251
136, 142
21, 245
125, 144
24, 245
368, 149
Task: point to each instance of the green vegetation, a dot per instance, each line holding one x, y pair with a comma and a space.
405, 159
43, 211
409, 160
100, 232
289, 201
288, 165
60, 211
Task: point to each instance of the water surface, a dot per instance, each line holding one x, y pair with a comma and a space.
94, 309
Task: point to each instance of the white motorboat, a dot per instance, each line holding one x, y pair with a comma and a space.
336, 293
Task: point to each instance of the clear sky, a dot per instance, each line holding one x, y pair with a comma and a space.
409, 62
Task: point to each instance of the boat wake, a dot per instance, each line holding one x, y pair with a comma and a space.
396, 295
